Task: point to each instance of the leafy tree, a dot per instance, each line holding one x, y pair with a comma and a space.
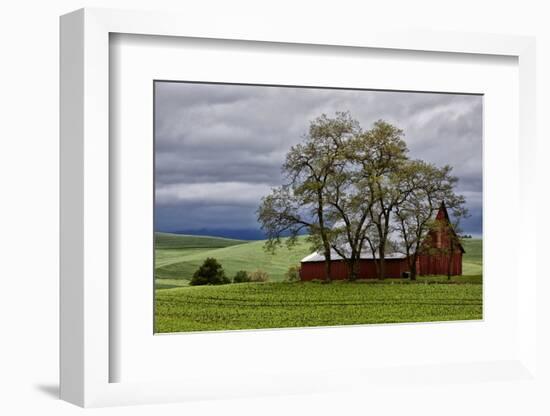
300, 204
351, 189
381, 155
349, 208
209, 273
415, 214
377, 190
241, 277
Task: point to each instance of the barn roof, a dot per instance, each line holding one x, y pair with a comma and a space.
365, 255
443, 214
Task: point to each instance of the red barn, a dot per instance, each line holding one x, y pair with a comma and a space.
441, 254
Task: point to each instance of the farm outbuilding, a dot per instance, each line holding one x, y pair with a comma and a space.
438, 257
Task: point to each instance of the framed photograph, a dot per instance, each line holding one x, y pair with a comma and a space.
262, 192
282, 213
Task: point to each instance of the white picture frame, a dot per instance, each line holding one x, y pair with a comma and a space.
85, 351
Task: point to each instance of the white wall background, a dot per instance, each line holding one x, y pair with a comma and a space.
29, 204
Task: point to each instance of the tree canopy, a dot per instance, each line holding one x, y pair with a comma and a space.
209, 273
349, 189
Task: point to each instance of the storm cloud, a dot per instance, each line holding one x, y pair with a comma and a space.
219, 148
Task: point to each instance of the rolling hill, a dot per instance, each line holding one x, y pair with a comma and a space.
182, 241
472, 261
178, 256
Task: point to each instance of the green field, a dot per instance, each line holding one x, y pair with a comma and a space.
279, 304
164, 241
472, 261
177, 257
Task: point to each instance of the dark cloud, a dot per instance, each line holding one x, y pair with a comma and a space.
218, 147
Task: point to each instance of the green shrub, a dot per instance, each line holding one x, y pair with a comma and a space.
241, 277
259, 276
210, 273
293, 274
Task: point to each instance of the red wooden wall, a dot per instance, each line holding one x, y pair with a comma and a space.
432, 261
439, 264
426, 265
367, 269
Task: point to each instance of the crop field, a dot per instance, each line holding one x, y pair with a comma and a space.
281, 305
278, 304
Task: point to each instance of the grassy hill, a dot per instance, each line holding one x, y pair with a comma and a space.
178, 256
234, 255
472, 261
181, 241
170, 248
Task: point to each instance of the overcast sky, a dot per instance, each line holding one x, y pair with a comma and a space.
219, 148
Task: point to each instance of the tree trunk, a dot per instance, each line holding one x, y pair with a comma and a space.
411, 261
326, 245
328, 267
412, 266
352, 265
376, 263
412, 270
382, 268
451, 257
450, 266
